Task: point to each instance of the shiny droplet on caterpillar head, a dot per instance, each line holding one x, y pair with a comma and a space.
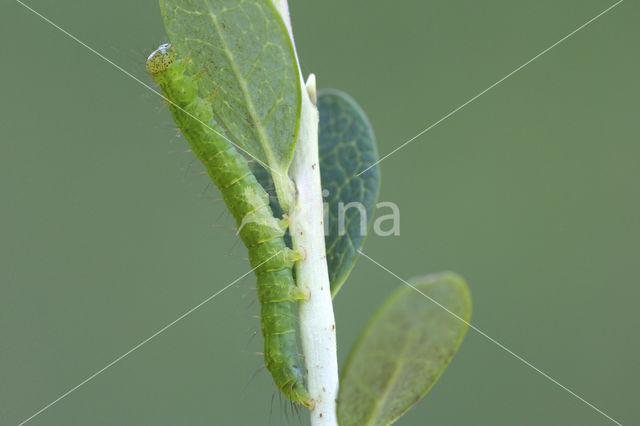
161, 59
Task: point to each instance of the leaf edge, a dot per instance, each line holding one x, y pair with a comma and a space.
448, 276
352, 102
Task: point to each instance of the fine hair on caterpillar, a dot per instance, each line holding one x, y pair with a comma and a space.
247, 201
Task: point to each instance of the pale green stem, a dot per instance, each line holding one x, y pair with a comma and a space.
317, 323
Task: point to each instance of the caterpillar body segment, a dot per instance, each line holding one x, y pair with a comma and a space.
248, 202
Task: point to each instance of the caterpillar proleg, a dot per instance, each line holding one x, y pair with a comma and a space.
246, 199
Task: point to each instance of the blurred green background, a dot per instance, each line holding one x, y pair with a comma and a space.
110, 231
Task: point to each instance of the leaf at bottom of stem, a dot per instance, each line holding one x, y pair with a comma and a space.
403, 350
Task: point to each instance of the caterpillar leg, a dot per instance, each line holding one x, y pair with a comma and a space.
296, 255
300, 293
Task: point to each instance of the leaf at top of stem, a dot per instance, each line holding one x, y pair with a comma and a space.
347, 147
249, 71
403, 350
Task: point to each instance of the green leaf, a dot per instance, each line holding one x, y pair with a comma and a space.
403, 350
347, 147
264, 178
249, 70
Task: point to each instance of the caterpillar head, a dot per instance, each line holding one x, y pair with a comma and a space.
161, 59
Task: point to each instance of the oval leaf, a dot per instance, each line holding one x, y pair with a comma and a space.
249, 70
403, 350
347, 147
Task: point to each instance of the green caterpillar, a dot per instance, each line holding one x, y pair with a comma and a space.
248, 202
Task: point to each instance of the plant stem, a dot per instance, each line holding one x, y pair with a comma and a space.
317, 323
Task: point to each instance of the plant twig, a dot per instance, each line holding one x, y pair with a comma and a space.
317, 323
